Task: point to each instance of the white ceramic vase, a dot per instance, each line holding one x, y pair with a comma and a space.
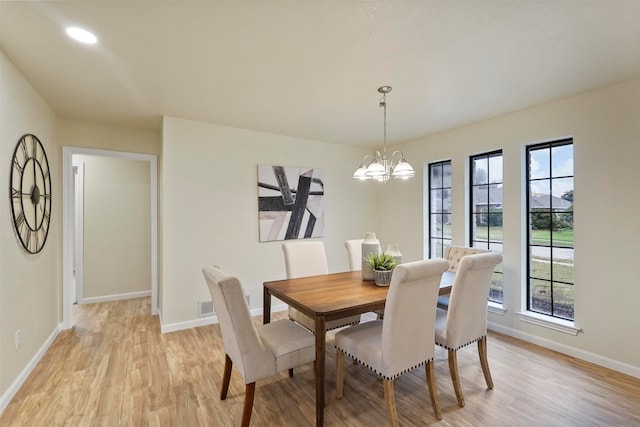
394, 250
370, 245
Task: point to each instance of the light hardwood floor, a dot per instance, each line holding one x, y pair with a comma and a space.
115, 368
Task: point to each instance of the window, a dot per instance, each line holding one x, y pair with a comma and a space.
550, 229
486, 211
439, 208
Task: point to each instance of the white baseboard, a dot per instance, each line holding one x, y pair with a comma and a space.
116, 297
20, 379
179, 326
209, 320
606, 362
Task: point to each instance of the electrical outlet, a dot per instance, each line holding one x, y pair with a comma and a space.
18, 338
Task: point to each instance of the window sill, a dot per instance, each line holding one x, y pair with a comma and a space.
564, 326
495, 308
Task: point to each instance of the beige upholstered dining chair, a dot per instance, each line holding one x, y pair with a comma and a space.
390, 347
454, 254
256, 352
465, 321
354, 250
308, 258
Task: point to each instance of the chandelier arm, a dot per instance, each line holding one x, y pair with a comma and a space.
363, 163
394, 154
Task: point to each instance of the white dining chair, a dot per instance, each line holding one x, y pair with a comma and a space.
354, 252
465, 321
390, 347
256, 352
308, 258
454, 254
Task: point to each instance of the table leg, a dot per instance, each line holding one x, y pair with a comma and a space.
319, 365
266, 306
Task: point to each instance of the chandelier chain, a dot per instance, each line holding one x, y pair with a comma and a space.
384, 109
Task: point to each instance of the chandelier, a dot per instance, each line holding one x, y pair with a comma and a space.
379, 166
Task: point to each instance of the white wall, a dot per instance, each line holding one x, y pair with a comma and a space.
30, 285
75, 133
605, 126
117, 255
210, 207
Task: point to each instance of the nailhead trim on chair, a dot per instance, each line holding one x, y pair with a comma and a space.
335, 327
379, 373
347, 324
463, 345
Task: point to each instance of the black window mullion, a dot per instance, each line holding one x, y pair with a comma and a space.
551, 276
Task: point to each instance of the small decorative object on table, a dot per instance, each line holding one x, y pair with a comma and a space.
370, 245
382, 265
394, 250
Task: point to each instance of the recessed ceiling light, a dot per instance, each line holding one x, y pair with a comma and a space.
83, 36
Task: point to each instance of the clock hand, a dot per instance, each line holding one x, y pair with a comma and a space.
34, 195
16, 194
35, 150
36, 191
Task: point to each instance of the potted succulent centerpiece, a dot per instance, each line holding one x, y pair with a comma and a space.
382, 265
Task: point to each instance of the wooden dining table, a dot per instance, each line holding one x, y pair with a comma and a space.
329, 297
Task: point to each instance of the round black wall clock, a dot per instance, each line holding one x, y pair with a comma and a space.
30, 192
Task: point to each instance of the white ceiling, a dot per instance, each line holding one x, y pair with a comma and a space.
311, 69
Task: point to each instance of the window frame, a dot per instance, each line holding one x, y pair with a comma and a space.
529, 228
486, 244
430, 214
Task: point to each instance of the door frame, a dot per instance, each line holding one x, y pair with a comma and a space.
77, 291
68, 208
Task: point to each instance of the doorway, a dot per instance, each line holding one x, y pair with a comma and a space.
69, 223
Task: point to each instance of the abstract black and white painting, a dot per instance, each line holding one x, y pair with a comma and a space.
290, 203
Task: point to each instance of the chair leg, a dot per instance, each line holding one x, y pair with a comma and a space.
250, 391
290, 372
455, 378
339, 374
484, 361
226, 377
390, 400
433, 392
